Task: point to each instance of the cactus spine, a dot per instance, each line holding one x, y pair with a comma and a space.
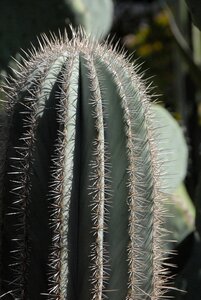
83, 213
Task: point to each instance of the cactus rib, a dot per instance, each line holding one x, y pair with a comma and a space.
98, 206
60, 186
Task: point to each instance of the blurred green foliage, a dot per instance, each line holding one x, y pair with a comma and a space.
152, 42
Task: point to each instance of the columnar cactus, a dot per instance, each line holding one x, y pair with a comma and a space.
82, 203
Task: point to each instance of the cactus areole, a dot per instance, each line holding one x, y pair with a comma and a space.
82, 208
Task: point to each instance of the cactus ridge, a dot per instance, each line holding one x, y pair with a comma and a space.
19, 183
100, 177
62, 168
140, 205
83, 176
20, 163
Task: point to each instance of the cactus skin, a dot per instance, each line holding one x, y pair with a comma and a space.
82, 207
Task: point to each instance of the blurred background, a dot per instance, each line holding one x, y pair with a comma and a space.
164, 38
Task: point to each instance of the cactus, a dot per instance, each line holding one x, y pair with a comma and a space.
82, 203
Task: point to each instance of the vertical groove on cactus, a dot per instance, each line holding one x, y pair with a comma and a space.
62, 177
138, 127
19, 186
158, 208
99, 178
20, 167
82, 201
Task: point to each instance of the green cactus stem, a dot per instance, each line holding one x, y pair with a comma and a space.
83, 210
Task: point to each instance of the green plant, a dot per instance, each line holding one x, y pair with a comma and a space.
83, 207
